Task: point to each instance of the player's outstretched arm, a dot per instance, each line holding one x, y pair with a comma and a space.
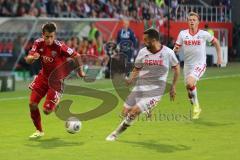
78, 61
219, 52
176, 70
134, 74
31, 58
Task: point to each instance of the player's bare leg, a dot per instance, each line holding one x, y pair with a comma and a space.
192, 94
127, 121
36, 118
125, 112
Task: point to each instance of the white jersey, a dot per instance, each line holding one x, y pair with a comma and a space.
194, 46
154, 67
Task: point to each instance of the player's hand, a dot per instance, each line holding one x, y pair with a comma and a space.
31, 58
36, 56
176, 48
172, 93
81, 74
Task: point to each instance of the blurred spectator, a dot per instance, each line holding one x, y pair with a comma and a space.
160, 3
91, 49
174, 6
95, 36
126, 41
17, 46
9, 47
75, 43
93, 33
83, 46
69, 42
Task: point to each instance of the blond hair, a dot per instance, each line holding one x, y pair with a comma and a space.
193, 14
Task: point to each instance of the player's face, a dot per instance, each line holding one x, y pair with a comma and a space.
49, 37
193, 22
126, 24
147, 42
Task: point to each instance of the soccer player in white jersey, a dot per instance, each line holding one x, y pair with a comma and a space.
150, 72
193, 41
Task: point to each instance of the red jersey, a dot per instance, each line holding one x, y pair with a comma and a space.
51, 56
92, 51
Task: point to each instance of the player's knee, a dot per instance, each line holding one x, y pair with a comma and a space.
48, 107
125, 112
189, 84
33, 106
47, 112
132, 115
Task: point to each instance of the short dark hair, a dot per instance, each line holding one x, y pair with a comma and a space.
49, 27
152, 34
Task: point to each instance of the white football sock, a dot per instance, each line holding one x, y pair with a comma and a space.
193, 95
123, 125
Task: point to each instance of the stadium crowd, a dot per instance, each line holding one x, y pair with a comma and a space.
137, 9
82, 8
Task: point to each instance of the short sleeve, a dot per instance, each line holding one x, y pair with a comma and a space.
179, 41
173, 59
67, 51
139, 60
35, 47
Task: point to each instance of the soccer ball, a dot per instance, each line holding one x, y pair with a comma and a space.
73, 125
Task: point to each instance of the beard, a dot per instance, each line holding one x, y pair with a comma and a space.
149, 47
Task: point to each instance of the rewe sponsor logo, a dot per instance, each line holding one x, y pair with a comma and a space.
192, 42
153, 62
47, 59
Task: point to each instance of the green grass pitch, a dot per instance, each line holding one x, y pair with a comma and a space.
214, 136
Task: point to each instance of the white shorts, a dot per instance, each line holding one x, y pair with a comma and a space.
145, 104
195, 71
145, 97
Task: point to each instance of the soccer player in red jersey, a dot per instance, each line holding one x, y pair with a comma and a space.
52, 54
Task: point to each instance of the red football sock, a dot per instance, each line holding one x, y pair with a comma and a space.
36, 118
192, 88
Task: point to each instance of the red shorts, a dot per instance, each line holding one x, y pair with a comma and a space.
40, 88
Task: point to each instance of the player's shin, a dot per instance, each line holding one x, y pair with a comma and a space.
192, 92
124, 125
36, 117
190, 97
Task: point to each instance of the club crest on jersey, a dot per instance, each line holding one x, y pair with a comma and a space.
41, 50
54, 53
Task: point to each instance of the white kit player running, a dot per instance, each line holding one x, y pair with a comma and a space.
150, 72
193, 42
